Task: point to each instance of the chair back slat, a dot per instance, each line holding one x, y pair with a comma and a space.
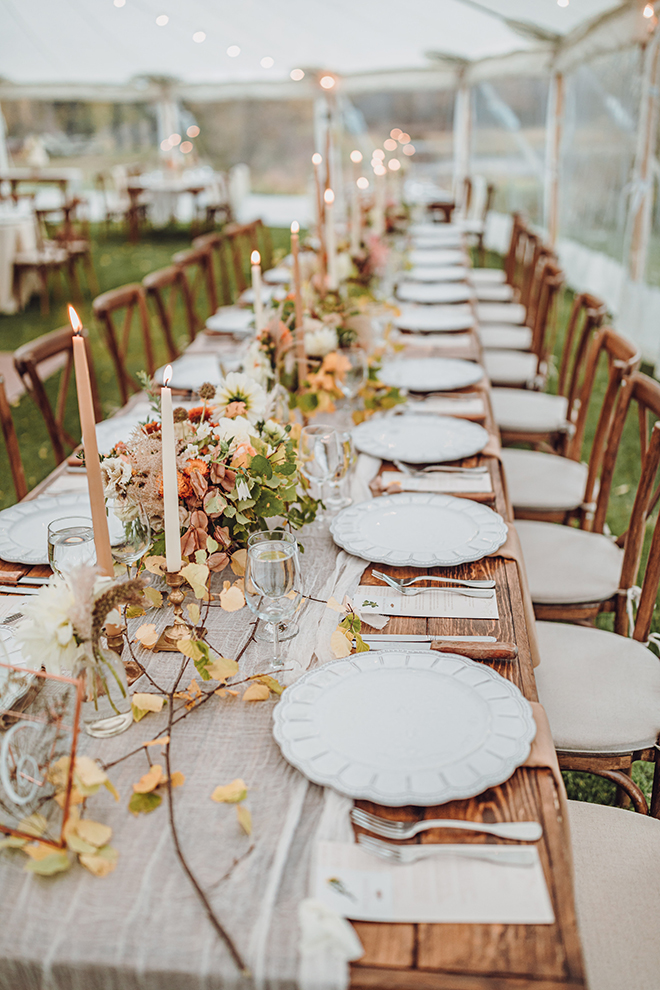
197, 266
29, 362
550, 281
587, 315
218, 244
11, 442
166, 288
131, 299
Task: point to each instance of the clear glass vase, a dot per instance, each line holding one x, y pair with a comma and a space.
106, 706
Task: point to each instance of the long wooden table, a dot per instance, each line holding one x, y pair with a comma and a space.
472, 956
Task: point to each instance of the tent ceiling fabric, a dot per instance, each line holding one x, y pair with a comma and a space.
94, 41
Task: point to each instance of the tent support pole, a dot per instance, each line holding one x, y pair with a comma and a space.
462, 138
554, 127
641, 204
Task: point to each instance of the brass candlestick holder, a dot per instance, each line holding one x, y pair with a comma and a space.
179, 629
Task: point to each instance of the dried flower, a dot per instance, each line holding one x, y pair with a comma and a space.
180, 415
206, 391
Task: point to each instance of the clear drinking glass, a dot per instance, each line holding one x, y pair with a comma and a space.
287, 630
336, 500
355, 375
319, 454
130, 532
70, 543
273, 586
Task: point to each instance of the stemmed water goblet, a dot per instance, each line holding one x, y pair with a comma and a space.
287, 630
353, 377
70, 543
273, 586
320, 454
129, 529
336, 500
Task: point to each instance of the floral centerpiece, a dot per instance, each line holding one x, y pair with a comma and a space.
236, 468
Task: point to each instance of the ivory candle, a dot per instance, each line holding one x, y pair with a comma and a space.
92, 463
356, 214
255, 259
170, 479
299, 334
330, 239
317, 161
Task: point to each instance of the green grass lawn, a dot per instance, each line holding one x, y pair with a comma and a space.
117, 263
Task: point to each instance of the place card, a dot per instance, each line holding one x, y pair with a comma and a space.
440, 889
470, 406
432, 604
438, 482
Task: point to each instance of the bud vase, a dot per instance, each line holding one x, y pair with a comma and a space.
106, 707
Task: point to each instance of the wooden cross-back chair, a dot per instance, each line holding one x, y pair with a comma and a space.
11, 443
30, 361
601, 689
197, 265
132, 302
168, 288
499, 283
217, 242
242, 239
551, 488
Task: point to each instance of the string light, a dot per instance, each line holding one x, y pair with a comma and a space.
409, 149
380, 170
396, 133
233, 51
390, 144
186, 147
119, 3
165, 145
362, 182
378, 153
648, 10
162, 20
327, 82
174, 139
562, 3
267, 62
199, 37
404, 138
297, 74
356, 156
193, 131
394, 164
316, 158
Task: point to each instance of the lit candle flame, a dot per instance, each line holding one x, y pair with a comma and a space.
648, 10
255, 258
316, 158
167, 375
74, 319
329, 197
295, 227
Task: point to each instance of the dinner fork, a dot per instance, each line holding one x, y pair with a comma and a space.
503, 855
10, 619
439, 469
522, 831
404, 582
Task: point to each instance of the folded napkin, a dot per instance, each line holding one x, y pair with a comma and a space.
441, 889
437, 604
437, 482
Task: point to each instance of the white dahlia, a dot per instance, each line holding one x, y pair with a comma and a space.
239, 395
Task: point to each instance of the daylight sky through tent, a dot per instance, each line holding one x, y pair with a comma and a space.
112, 40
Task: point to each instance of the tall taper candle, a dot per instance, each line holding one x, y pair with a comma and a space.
330, 239
299, 333
92, 463
170, 479
356, 213
317, 161
255, 259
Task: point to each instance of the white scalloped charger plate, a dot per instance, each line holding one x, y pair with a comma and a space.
434, 374
24, 527
435, 319
420, 439
404, 728
419, 529
436, 273
434, 292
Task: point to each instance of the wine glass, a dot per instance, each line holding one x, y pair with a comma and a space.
319, 454
129, 529
351, 380
273, 586
70, 543
336, 500
287, 630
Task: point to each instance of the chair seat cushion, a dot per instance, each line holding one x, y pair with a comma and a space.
501, 312
567, 565
487, 276
470, 226
615, 853
543, 481
510, 367
601, 691
503, 336
494, 293
528, 412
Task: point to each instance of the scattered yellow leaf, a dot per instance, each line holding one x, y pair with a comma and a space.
78, 845
147, 635
38, 850
244, 819
94, 832
88, 773
256, 692
221, 668
340, 644
148, 702
143, 804
134, 611
111, 787
56, 862
335, 606
238, 561
270, 683
102, 862
231, 598
154, 597
232, 793
223, 692
189, 648
177, 779
162, 741
156, 565
193, 613
150, 781
197, 575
